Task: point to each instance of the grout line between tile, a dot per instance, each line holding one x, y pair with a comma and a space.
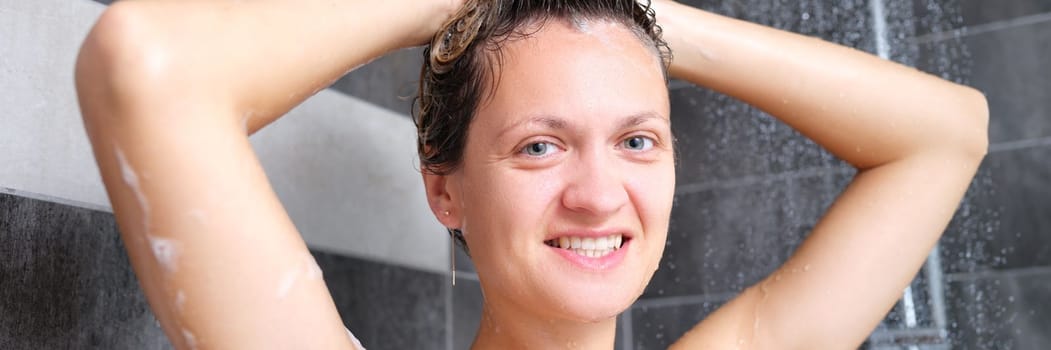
1020, 144
53, 199
1014, 272
761, 179
982, 28
467, 275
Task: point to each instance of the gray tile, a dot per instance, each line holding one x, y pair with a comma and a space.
76, 290
846, 22
1008, 65
657, 327
1006, 215
943, 15
467, 312
387, 306
936, 16
67, 281
1005, 310
721, 139
389, 81
722, 240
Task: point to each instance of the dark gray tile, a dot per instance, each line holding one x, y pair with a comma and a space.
848, 22
724, 239
1005, 217
1008, 65
719, 139
67, 283
74, 288
390, 81
467, 312
657, 327
387, 306
935, 16
1006, 310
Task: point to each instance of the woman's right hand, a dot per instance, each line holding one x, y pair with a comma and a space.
443, 11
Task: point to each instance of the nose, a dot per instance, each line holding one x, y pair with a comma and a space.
595, 185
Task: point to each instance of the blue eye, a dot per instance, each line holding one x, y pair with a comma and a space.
538, 149
638, 143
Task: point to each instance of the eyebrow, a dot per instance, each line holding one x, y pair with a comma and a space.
557, 123
640, 118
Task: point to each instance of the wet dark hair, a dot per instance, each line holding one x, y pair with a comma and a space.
460, 65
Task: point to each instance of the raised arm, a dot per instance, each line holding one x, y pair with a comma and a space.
169, 91
916, 140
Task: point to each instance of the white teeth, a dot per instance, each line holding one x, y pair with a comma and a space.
600, 242
590, 247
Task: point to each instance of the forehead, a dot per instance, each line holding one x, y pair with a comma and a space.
581, 71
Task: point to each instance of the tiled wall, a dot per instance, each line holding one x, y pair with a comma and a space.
749, 191
67, 284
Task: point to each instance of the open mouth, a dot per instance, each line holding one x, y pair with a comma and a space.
591, 247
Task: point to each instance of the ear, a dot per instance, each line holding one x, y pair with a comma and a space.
443, 195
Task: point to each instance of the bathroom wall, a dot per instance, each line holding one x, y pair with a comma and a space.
750, 189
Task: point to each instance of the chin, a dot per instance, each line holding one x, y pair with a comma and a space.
593, 301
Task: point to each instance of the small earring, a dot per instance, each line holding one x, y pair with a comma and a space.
446, 213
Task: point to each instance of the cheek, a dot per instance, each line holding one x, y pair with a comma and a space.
513, 203
652, 191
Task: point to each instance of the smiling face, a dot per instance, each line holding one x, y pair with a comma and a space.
566, 185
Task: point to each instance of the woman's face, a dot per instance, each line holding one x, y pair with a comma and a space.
574, 148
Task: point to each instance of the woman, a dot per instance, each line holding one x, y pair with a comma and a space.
545, 145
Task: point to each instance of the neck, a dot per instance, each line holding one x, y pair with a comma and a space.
507, 328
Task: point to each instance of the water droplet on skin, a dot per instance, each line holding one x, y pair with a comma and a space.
165, 251
306, 267
191, 340
132, 181
180, 300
